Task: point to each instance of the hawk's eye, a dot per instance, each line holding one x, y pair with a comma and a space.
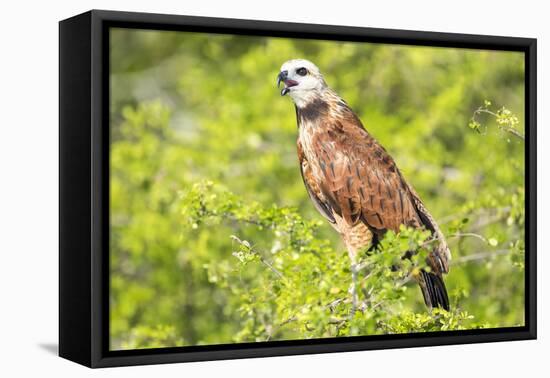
301, 71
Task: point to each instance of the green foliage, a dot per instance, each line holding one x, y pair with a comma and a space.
438, 320
213, 237
152, 337
298, 288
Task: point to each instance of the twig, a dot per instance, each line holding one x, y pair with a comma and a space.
479, 256
478, 213
456, 235
337, 321
514, 132
468, 234
332, 305
254, 251
289, 320
271, 267
507, 129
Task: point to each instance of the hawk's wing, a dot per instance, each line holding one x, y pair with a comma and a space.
359, 181
312, 187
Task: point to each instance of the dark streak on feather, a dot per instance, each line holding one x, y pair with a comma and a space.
323, 166
388, 189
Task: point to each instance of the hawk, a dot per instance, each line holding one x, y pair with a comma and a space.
353, 182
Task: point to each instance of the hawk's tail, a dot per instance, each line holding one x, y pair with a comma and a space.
434, 290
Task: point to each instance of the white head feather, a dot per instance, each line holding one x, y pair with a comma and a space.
304, 82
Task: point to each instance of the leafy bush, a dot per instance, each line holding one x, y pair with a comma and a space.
298, 286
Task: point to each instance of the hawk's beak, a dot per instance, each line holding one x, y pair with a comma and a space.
283, 76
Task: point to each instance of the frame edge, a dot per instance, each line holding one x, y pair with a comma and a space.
75, 334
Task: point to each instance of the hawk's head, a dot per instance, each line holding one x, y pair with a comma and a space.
302, 80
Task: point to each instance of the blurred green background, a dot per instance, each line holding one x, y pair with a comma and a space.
213, 237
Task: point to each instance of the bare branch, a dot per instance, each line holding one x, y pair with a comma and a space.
271, 267
469, 234
479, 256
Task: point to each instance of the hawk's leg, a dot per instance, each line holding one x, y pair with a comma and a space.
356, 238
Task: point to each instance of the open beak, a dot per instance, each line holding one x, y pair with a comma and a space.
283, 76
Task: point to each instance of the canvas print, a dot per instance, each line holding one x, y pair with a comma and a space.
266, 189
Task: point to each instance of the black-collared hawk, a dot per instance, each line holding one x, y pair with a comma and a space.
351, 179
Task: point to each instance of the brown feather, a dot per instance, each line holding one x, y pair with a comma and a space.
349, 175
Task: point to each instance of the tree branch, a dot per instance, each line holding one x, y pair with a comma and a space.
506, 128
479, 256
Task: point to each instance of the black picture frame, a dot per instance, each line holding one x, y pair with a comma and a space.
84, 187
